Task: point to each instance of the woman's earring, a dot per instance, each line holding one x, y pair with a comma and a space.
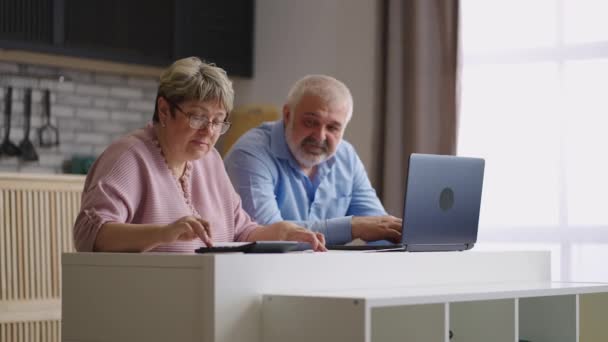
163, 124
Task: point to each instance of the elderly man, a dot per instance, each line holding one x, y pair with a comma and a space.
300, 169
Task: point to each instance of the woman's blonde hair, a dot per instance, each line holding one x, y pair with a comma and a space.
192, 79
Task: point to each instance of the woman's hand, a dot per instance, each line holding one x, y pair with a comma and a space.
187, 228
287, 231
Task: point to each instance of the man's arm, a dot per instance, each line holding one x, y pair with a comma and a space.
364, 201
253, 178
370, 220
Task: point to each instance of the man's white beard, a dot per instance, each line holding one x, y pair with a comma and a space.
305, 159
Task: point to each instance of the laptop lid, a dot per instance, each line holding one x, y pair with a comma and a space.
442, 202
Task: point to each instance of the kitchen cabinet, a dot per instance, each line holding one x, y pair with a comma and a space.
151, 33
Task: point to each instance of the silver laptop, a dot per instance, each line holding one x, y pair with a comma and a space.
441, 209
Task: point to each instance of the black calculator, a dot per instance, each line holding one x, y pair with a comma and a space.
254, 247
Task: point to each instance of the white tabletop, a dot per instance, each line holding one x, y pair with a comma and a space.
409, 295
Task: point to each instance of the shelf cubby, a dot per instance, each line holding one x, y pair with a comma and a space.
548, 318
593, 319
408, 323
480, 321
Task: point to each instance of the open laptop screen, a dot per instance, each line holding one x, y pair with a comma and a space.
442, 202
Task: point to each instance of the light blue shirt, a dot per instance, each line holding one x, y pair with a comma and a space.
273, 187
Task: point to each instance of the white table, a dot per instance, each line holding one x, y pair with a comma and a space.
325, 296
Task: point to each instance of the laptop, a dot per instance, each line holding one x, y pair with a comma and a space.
441, 207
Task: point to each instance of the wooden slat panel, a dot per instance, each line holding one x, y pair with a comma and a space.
53, 332
41, 230
27, 328
39, 331
36, 219
69, 222
36, 242
3, 248
28, 249
58, 333
35, 329
8, 243
45, 227
65, 198
13, 251
18, 215
75, 209
60, 228
54, 231
20, 251
42, 259
31, 245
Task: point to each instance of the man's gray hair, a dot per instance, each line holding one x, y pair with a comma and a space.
326, 87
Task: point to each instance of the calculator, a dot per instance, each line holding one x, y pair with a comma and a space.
253, 247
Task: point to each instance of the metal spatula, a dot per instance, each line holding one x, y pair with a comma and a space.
7, 147
48, 135
28, 152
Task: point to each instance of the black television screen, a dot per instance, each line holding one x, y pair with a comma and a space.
121, 30
219, 32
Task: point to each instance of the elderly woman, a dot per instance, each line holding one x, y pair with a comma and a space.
164, 187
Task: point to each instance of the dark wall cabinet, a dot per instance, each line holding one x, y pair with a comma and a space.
146, 32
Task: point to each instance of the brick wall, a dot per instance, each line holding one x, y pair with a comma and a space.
90, 109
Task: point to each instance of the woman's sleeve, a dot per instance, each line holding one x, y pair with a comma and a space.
111, 190
243, 223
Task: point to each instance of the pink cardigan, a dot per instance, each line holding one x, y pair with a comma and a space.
130, 182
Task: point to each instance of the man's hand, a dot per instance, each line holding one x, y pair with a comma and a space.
288, 231
187, 228
371, 228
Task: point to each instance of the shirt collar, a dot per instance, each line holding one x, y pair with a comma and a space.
280, 149
278, 144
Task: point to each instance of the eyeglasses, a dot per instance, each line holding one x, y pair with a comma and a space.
201, 122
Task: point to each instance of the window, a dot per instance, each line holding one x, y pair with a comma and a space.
534, 104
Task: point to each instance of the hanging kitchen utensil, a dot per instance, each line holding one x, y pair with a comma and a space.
7, 147
28, 152
48, 135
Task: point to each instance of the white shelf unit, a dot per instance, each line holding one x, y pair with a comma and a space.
158, 297
509, 312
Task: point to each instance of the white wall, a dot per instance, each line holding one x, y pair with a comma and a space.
341, 38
